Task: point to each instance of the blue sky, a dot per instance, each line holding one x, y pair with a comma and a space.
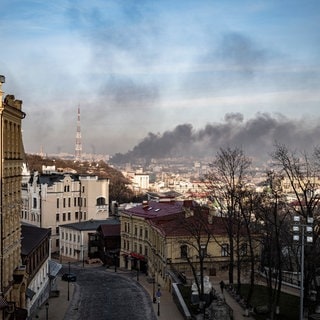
136, 67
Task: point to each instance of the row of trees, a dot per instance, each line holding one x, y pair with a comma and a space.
264, 218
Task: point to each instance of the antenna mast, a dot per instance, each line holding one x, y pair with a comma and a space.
78, 149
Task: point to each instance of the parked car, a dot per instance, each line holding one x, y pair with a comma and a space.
70, 277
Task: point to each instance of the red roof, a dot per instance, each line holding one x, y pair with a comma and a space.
179, 225
110, 230
154, 209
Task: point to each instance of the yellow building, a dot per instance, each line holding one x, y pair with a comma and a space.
12, 274
162, 238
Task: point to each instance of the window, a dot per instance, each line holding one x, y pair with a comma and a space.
244, 249
57, 242
140, 232
57, 230
34, 203
64, 202
76, 215
69, 202
74, 202
64, 216
101, 201
224, 250
69, 216
57, 217
184, 251
84, 202
135, 230
140, 248
58, 203
146, 233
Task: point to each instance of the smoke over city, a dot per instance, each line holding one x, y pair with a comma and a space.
256, 136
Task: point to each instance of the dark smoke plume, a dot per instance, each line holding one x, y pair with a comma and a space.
255, 136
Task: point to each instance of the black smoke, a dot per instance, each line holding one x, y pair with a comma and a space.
256, 136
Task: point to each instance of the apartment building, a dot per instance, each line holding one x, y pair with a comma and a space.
157, 237
12, 274
42, 272
54, 199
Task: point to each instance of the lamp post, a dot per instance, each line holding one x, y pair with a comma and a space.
69, 283
154, 289
202, 255
138, 267
47, 310
115, 262
158, 299
302, 233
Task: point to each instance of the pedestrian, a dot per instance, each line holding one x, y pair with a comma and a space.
222, 285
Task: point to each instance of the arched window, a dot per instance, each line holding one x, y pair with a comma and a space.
225, 250
101, 201
184, 251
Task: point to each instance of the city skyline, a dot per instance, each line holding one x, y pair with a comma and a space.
145, 71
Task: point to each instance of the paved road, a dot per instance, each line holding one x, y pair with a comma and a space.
105, 296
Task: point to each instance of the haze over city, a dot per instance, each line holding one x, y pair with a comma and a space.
162, 78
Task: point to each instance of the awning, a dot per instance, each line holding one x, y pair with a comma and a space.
3, 303
30, 293
54, 268
137, 256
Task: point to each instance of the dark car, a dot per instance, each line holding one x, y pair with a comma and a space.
70, 277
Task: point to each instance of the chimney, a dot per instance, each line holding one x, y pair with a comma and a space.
2, 80
145, 204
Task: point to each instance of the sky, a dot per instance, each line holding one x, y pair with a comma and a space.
168, 76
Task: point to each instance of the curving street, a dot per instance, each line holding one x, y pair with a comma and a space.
100, 294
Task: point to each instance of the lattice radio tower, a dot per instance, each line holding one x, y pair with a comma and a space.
78, 149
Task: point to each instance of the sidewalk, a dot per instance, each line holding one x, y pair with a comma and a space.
168, 309
238, 312
58, 306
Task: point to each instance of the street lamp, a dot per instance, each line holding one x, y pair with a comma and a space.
69, 283
47, 309
154, 289
302, 233
138, 267
158, 299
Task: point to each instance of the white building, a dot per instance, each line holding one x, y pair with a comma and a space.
51, 200
74, 242
139, 180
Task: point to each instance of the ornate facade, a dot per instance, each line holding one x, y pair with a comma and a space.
12, 273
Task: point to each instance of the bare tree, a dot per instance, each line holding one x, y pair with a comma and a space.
225, 181
248, 253
302, 172
272, 216
198, 234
